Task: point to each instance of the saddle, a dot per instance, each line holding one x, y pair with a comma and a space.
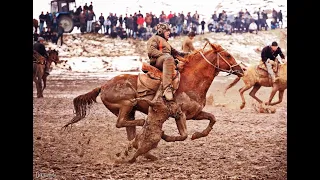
149, 81
262, 69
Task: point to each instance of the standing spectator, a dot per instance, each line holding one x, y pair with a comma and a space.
101, 20
42, 19
130, 25
60, 33
214, 16
195, 21
120, 20
274, 14
90, 20
148, 19
259, 18
280, 18
179, 22
82, 19
54, 23
78, 11
90, 8
48, 20
140, 21
125, 20
85, 7
134, 25
202, 26
107, 24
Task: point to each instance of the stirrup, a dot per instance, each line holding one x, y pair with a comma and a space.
168, 94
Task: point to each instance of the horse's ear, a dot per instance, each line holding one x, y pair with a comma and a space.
213, 46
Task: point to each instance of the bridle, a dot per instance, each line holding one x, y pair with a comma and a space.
55, 59
230, 71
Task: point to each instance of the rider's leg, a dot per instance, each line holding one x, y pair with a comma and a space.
167, 65
46, 69
270, 70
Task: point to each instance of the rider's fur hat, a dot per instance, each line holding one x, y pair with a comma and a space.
162, 27
40, 38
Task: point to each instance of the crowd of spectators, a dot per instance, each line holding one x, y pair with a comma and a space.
142, 26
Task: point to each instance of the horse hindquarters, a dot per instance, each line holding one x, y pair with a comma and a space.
118, 95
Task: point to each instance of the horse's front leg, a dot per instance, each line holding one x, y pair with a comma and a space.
38, 82
204, 115
44, 79
182, 128
273, 92
280, 99
241, 91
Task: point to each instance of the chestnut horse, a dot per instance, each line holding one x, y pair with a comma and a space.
38, 69
199, 70
254, 77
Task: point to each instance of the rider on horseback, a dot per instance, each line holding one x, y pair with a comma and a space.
162, 56
268, 56
41, 49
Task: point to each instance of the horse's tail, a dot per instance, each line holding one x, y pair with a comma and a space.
82, 103
232, 84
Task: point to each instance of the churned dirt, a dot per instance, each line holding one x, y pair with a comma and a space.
243, 144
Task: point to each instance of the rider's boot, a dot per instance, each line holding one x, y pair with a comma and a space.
167, 73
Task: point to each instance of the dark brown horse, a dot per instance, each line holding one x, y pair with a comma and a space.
199, 70
39, 64
35, 25
53, 57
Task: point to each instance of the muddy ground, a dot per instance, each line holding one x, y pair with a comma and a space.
242, 145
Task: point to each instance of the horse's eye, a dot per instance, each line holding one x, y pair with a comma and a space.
228, 56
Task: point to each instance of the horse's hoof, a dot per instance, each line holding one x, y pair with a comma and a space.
196, 135
242, 106
131, 161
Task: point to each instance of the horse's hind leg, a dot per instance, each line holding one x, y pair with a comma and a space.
242, 90
204, 115
148, 155
125, 121
131, 131
254, 91
39, 88
142, 150
280, 98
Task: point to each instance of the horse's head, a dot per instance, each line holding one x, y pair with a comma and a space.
54, 56
224, 60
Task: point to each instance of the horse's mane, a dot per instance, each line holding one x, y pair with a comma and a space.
189, 57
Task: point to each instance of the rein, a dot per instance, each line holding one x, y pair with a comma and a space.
230, 71
36, 57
